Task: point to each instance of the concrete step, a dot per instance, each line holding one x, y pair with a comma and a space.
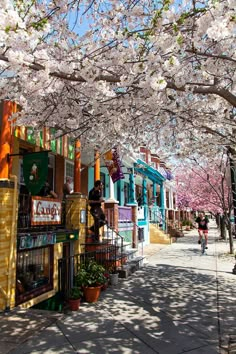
130, 253
158, 236
131, 266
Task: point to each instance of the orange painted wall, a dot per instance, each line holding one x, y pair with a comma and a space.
6, 108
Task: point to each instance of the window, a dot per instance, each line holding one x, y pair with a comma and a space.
69, 172
174, 201
142, 156
51, 170
126, 193
167, 199
34, 274
153, 164
103, 180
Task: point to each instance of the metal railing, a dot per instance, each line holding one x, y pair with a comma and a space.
155, 216
69, 267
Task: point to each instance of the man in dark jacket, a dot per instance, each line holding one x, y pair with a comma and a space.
95, 200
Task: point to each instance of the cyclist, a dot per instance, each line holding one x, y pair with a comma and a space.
202, 222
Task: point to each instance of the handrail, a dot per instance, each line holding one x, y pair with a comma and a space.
114, 242
156, 215
157, 219
138, 227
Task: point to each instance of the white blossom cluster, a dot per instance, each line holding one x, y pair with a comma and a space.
155, 73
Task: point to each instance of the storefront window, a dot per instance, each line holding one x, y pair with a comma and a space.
34, 272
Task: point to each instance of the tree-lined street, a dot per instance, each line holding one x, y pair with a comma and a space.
180, 302
85, 78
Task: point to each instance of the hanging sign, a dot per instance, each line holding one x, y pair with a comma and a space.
35, 171
28, 241
45, 211
113, 163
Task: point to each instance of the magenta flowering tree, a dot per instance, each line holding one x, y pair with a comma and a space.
206, 186
198, 191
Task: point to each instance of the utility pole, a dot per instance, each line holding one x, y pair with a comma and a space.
233, 185
233, 189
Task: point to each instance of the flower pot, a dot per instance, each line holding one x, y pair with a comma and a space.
74, 304
91, 294
114, 278
104, 286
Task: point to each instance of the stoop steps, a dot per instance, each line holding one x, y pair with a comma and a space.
158, 236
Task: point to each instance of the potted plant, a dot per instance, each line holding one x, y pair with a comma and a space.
74, 297
188, 225
91, 278
114, 275
105, 285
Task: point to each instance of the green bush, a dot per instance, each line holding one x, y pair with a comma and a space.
75, 293
187, 223
90, 274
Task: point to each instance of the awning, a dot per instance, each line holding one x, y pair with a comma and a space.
147, 171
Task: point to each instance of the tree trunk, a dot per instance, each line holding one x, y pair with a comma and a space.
217, 217
222, 227
231, 241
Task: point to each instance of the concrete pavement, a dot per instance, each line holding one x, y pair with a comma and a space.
180, 302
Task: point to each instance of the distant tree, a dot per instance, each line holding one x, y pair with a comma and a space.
206, 185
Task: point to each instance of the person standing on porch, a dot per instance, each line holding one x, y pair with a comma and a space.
67, 187
95, 202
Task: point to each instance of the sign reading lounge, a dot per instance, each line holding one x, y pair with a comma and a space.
45, 211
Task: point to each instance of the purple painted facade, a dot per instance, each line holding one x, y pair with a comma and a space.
124, 214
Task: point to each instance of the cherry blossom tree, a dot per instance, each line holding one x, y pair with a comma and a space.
207, 187
155, 72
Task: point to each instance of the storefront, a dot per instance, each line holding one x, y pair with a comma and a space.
39, 249
34, 266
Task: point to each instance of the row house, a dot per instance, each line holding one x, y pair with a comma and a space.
37, 232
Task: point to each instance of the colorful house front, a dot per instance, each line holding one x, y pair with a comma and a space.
37, 231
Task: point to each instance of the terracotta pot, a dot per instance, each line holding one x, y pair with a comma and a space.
91, 294
74, 304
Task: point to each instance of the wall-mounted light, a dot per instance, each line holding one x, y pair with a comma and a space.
82, 216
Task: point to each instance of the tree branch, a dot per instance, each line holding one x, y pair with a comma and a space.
209, 55
222, 92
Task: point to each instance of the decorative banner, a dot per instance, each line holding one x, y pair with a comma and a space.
35, 171
113, 163
45, 211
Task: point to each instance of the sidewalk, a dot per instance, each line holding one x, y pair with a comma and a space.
180, 302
